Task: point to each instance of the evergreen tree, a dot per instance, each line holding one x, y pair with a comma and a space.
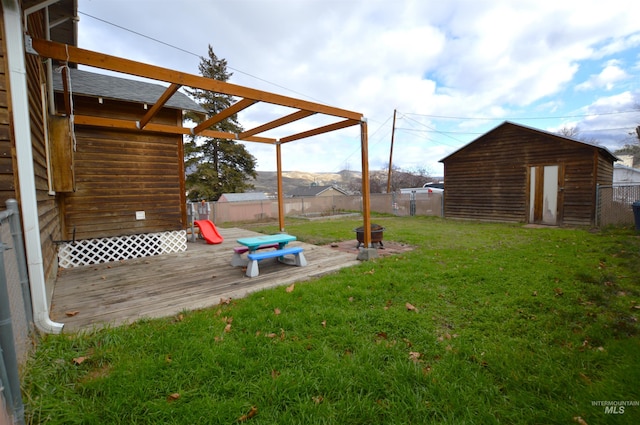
216, 166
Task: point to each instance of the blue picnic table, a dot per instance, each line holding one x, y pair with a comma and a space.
254, 242
258, 242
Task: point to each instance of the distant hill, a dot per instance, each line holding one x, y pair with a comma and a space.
267, 180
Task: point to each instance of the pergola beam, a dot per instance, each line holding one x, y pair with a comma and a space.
320, 130
63, 52
170, 91
160, 128
276, 123
224, 114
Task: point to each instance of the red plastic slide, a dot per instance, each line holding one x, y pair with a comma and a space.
208, 231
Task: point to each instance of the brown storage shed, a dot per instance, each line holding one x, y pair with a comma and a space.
515, 173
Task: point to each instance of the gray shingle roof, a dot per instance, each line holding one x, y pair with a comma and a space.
313, 190
110, 87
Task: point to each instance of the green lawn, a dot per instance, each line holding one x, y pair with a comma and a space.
482, 323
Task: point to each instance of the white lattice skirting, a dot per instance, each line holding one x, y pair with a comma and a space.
94, 251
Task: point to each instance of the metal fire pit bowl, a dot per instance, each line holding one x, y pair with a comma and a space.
377, 232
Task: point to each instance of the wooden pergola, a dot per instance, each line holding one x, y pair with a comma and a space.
247, 97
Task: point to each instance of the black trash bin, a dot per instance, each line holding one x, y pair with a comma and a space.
636, 214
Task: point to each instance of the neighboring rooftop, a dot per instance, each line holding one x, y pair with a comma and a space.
239, 197
313, 191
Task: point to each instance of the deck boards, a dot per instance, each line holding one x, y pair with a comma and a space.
121, 292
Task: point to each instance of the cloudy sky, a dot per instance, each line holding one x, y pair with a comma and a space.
451, 69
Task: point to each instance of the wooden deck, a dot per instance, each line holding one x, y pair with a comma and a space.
122, 292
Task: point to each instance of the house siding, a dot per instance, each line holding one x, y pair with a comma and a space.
489, 179
118, 173
47, 207
48, 212
7, 180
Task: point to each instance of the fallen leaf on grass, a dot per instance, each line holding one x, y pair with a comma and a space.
381, 335
579, 420
317, 399
372, 271
251, 414
411, 307
276, 311
290, 288
227, 328
414, 356
274, 374
446, 335
585, 378
324, 323
350, 299
79, 360
71, 313
173, 397
558, 292
271, 335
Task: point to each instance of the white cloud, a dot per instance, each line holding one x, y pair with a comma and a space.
459, 58
611, 74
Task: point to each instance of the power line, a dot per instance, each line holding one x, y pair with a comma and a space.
432, 128
520, 118
479, 133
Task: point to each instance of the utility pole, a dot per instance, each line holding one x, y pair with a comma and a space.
393, 132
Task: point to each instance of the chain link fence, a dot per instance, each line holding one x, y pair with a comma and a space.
614, 204
16, 317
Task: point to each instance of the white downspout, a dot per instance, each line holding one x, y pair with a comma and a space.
14, 43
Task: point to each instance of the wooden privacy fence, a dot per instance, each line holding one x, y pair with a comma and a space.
614, 204
389, 203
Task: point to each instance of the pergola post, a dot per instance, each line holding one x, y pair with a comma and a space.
368, 251
280, 190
